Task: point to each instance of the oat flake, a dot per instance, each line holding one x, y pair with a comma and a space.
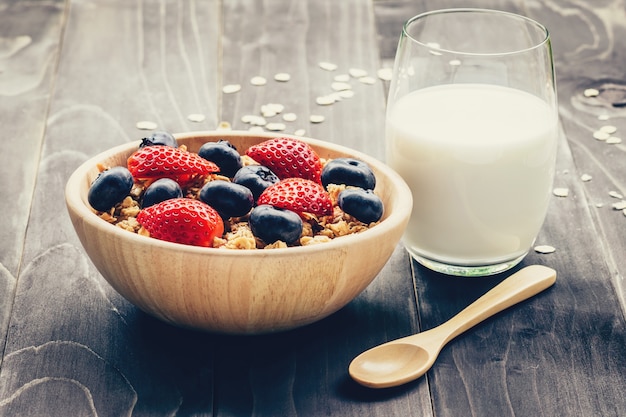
603, 117
275, 127
385, 74
609, 129
615, 194
345, 94
600, 135
328, 66
585, 177
289, 117
544, 249
316, 118
325, 100
339, 86
367, 80
591, 92
357, 72
231, 88
619, 206
282, 77
258, 81
612, 140
560, 192
300, 132
146, 125
196, 117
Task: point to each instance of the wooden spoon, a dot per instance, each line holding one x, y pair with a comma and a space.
403, 360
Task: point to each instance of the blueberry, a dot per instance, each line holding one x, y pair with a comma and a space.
348, 171
271, 224
109, 188
228, 198
256, 177
223, 154
362, 204
159, 138
161, 190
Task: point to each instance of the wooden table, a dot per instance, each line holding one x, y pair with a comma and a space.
76, 76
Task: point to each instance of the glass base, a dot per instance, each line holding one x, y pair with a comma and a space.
467, 270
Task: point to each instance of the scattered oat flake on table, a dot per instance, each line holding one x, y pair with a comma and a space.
367, 80
609, 129
339, 86
196, 117
275, 127
231, 88
258, 81
289, 117
282, 77
300, 132
560, 192
613, 140
619, 206
591, 92
585, 177
603, 117
146, 125
316, 118
342, 78
385, 74
455, 62
600, 135
254, 120
599, 205
357, 72
345, 94
328, 66
544, 249
325, 100
275, 107
615, 194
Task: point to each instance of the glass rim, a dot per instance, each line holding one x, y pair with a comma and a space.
519, 17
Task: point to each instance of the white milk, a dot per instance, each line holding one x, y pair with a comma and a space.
479, 160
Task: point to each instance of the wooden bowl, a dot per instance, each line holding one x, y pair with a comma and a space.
238, 291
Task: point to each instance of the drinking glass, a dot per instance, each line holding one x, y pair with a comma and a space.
472, 126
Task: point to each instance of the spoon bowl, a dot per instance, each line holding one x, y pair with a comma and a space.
403, 360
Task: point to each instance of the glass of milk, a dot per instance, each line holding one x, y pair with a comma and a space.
472, 126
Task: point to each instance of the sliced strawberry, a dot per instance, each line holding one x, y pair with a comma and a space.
287, 158
299, 195
182, 220
154, 162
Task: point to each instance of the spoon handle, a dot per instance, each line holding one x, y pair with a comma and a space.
518, 287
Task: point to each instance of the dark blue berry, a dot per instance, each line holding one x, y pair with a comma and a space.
256, 177
161, 190
159, 138
223, 154
271, 224
363, 205
228, 198
348, 171
109, 188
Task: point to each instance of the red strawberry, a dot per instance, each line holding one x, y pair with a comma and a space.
182, 220
287, 158
154, 162
299, 195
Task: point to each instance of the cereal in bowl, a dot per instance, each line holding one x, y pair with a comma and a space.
278, 193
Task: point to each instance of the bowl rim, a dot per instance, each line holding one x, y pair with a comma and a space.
400, 214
